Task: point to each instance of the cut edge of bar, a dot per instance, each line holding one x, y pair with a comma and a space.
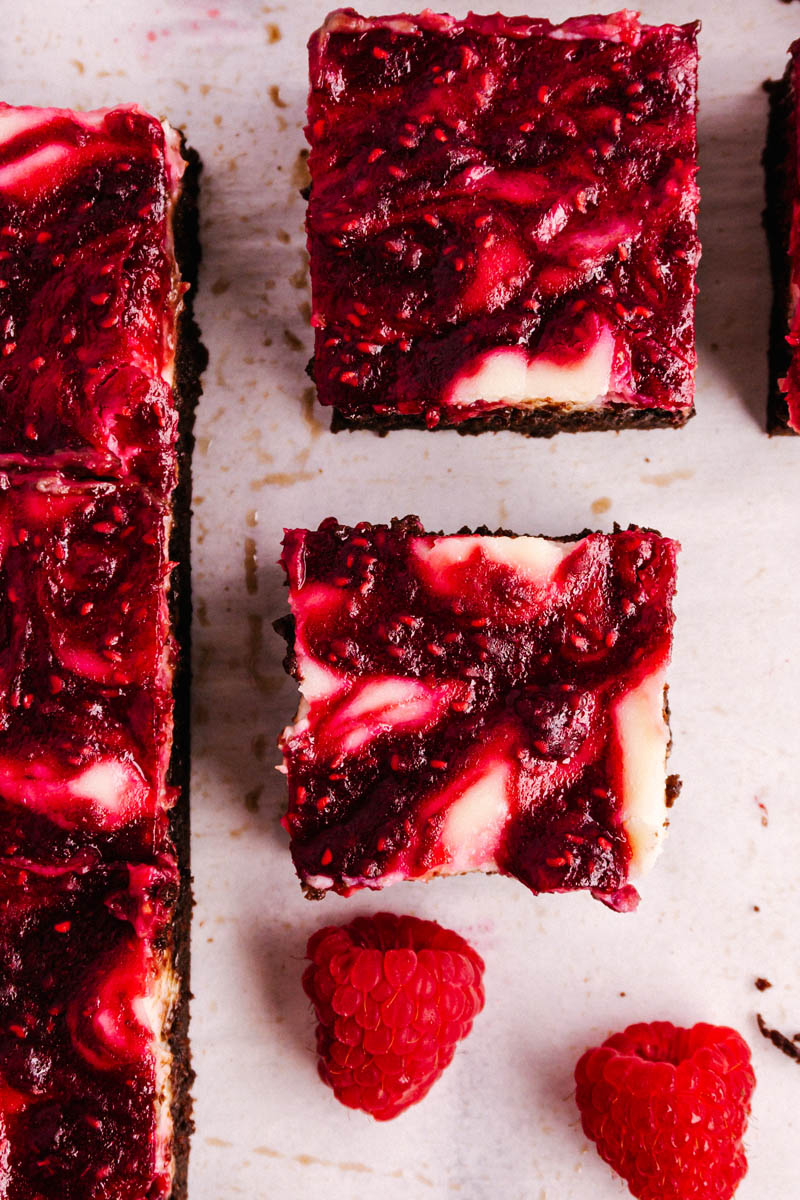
190, 360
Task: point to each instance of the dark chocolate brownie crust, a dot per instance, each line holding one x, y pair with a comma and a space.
545, 422
777, 224
780, 1041
191, 360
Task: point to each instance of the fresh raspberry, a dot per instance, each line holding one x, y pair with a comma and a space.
393, 995
668, 1108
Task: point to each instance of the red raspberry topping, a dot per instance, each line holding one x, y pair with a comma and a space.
668, 1108
393, 996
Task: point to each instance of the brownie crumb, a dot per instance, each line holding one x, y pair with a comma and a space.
674, 785
763, 984
778, 1039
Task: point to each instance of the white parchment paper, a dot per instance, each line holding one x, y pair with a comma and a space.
562, 972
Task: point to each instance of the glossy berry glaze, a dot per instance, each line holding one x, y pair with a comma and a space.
79, 957
502, 183
85, 659
477, 703
86, 276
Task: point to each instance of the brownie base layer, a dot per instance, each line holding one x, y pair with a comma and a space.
776, 221
190, 361
285, 628
545, 421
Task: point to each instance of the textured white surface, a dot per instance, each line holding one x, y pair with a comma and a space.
561, 971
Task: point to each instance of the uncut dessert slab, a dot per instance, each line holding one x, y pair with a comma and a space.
502, 1120
94, 974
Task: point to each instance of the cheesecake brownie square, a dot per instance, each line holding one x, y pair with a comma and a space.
90, 292
86, 664
502, 223
782, 222
478, 702
87, 994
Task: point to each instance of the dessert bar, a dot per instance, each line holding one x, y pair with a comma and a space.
85, 671
85, 1072
782, 222
478, 702
99, 373
502, 223
90, 291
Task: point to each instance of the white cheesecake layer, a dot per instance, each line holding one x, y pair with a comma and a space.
508, 377
535, 559
155, 1010
473, 828
643, 736
111, 791
378, 706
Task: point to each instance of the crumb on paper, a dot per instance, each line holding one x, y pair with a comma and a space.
252, 798
308, 411
300, 174
665, 478
250, 566
283, 479
778, 1039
